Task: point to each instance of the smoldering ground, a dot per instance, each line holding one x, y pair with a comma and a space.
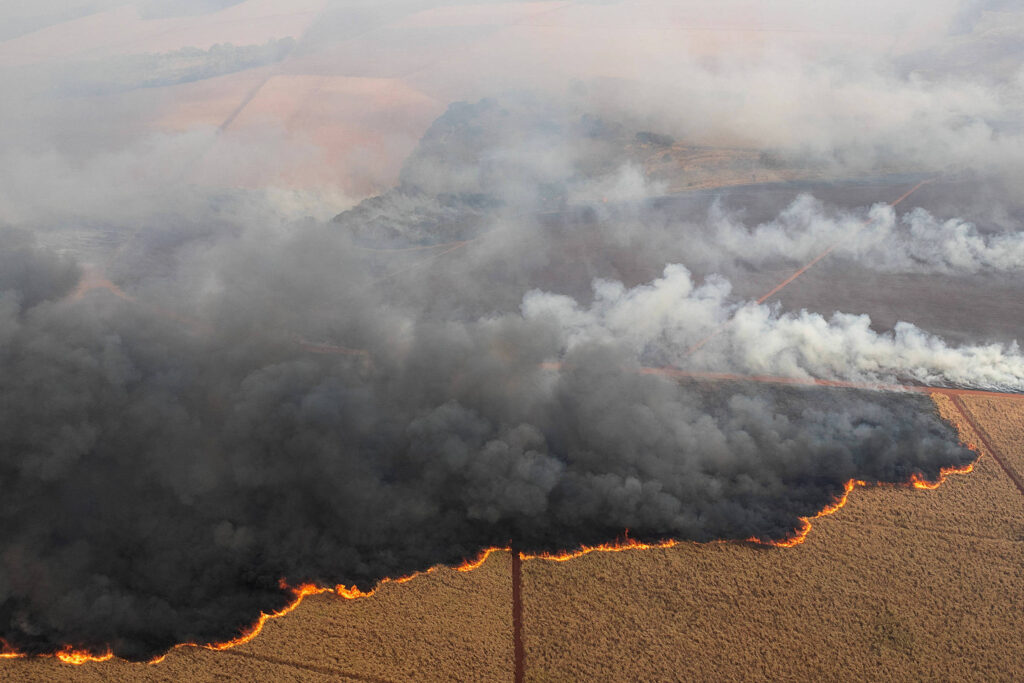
291, 404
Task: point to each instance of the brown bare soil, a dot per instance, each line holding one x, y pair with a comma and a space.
900, 584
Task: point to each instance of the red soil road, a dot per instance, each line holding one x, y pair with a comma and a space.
810, 381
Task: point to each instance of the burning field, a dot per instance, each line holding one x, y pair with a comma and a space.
381, 325
898, 584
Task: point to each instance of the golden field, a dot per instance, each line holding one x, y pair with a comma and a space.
899, 584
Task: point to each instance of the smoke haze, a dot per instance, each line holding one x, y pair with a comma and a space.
337, 292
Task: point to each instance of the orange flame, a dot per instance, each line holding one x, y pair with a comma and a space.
919, 483
915, 481
71, 656
470, 565
618, 545
67, 654
299, 592
805, 522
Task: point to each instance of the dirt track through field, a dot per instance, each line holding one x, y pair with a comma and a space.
987, 443
519, 653
325, 670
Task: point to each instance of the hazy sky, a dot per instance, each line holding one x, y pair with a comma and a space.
342, 90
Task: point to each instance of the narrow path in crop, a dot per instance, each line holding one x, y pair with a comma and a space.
325, 670
519, 652
987, 443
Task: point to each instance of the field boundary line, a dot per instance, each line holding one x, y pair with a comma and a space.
987, 443
325, 670
935, 531
519, 652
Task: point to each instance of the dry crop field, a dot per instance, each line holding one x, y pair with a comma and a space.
899, 584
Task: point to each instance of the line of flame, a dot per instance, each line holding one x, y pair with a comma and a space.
306, 589
67, 654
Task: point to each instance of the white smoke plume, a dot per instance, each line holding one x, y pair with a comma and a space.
916, 241
664, 320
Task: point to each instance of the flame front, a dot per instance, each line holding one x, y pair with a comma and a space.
618, 545
805, 522
67, 654
919, 483
71, 656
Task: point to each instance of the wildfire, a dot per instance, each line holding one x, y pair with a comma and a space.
351, 593
67, 654
798, 536
470, 565
70, 655
299, 592
618, 545
805, 522
915, 481
919, 483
